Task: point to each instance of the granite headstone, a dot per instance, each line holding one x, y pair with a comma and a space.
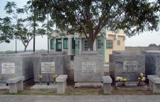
88, 67
125, 64
152, 62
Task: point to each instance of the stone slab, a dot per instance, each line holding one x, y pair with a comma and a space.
88, 67
16, 65
154, 83
43, 86
15, 80
152, 62
61, 78
107, 79
3, 86
90, 84
128, 65
57, 63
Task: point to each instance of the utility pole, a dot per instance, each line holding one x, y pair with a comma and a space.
34, 28
48, 32
15, 45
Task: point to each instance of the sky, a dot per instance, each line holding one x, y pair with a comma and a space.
142, 39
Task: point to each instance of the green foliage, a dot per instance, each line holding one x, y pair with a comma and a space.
5, 30
89, 17
19, 24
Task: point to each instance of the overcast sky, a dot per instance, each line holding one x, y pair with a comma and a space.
143, 39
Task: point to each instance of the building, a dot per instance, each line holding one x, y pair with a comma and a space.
75, 44
115, 42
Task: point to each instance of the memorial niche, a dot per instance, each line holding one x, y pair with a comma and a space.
89, 67
8, 68
130, 66
47, 72
48, 67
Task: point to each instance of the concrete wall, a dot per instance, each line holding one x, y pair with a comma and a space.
115, 38
127, 65
152, 62
89, 67
15, 65
140, 49
61, 64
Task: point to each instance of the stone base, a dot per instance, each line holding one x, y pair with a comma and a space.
61, 84
4, 87
92, 84
128, 84
107, 88
43, 86
154, 83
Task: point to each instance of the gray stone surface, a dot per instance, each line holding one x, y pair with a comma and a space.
44, 87
152, 62
61, 84
89, 84
15, 84
107, 79
88, 67
15, 65
51, 63
88, 98
107, 88
154, 83
126, 64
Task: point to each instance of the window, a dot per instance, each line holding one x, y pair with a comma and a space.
52, 43
58, 45
99, 43
85, 45
65, 43
109, 44
118, 42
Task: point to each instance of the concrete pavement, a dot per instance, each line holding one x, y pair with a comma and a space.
103, 98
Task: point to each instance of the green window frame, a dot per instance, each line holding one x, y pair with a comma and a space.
99, 43
58, 44
109, 44
52, 44
65, 43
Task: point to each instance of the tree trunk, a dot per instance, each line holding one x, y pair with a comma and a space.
34, 39
25, 48
90, 44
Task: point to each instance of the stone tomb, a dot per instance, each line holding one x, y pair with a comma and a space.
152, 62
49, 65
14, 69
154, 83
88, 69
107, 88
127, 65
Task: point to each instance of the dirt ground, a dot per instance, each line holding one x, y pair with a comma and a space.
143, 90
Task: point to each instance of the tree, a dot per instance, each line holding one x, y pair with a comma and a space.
88, 17
152, 45
5, 30
18, 23
23, 23
39, 16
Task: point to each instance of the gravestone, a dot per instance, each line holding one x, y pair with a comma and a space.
88, 69
16, 65
152, 62
49, 65
107, 88
15, 68
125, 64
154, 83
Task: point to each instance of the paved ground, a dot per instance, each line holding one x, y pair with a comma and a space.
108, 98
